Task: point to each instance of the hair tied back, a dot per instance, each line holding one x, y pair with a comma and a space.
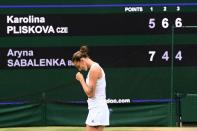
84, 49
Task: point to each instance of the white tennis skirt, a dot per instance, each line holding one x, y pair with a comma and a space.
98, 116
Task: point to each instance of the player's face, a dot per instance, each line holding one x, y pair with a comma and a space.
81, 65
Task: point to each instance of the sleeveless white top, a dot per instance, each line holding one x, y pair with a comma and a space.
99, 99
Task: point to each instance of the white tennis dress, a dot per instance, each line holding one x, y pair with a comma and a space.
98, 110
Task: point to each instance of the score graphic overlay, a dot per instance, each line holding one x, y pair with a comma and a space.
134, 43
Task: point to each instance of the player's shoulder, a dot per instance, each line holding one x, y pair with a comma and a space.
95, 67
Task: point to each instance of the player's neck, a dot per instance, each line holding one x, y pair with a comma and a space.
90, 62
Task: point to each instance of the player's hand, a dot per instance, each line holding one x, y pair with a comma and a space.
79, 76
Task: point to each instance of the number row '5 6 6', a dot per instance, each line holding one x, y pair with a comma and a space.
165, 23
165, 55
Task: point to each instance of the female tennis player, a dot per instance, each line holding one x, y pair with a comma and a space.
95, 88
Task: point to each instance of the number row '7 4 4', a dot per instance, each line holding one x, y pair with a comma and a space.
165, 55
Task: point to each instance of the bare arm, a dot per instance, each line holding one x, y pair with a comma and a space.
89, 89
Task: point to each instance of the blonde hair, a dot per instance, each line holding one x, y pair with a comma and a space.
82, 53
